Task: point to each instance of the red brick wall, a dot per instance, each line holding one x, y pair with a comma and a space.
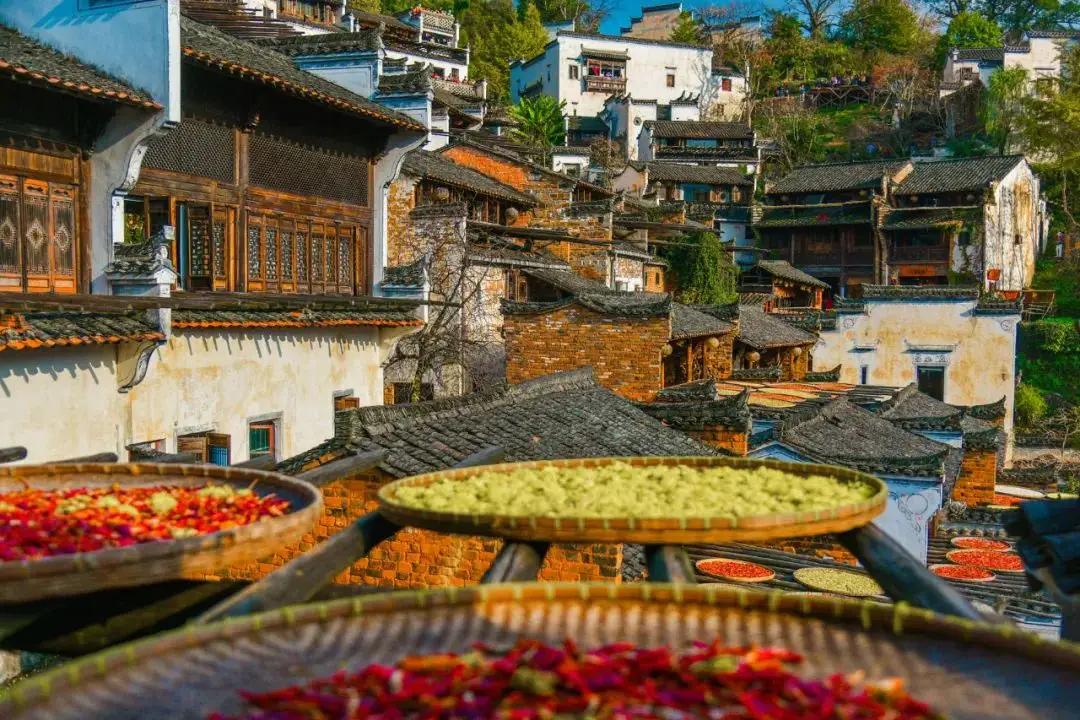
978, 475
824, 546
399, 202
736, 442
421, 559
624, 353
504, 171
655, 279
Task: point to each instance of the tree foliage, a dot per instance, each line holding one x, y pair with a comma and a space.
1003, 107
881, 26
968, 30
497, 35
705, 273
797, 136
540, 122
688, 29
585, 14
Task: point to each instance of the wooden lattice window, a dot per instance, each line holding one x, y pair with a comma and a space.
297, 255
38, 231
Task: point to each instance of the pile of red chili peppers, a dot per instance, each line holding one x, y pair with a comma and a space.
618, 681
41, 523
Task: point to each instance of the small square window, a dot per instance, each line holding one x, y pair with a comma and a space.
670, 80
574, 72
262, 439
725, 84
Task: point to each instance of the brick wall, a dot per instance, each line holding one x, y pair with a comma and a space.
400, 201
655, 280
736, 442
978, 475
823, 546
792, 367
624, 353
420, 558
719, 360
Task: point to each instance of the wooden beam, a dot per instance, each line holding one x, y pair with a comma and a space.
343, 468
516, 562
902, 576
12, 454
302, 578
669, 563
175, 459
105, 457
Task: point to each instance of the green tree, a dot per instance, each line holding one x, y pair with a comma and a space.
968, 30
497, 37
1003, 107
585, 14
881, 26
1050, 126
815, 15
371, 6
1016, 16
541, 122
688, 29
706, 274
798, 137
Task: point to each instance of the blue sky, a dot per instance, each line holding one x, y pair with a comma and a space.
631, 8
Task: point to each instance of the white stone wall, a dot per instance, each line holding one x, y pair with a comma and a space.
892, 336
630, 180
563, 161
647, 67
65, 402
1012, 228
1043, 60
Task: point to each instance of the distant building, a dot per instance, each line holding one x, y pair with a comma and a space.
957, 348
1040, 53
656, 22
728, 144
898, 221
307, 17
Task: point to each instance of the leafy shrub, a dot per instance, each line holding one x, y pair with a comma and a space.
1031, 406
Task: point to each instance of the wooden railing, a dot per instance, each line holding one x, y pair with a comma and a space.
920, 254
604, 84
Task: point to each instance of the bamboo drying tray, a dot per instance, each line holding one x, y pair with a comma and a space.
669, 531
146, 563
967, 670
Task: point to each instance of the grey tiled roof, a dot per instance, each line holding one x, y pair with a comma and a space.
979, 434
984, 54
27, 60
611, 304
928, 218
367, 40
845, 434
568, 281
587, 124
824, 375
957, 175
782, 216
918, 292
837, 177
914, 410
786, 271
58, 329
704, 174
700, 129
987, 411
730, 412
196, 319
215, 49
761, 330
686, 322
440, 168
698, 154
410, 275
566, 415
412, 82
694, 391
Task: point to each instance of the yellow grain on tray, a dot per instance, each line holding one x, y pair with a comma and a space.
621, 490
841, 582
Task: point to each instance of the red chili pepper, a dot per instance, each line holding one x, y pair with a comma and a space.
42, 523
734, 569
991, 560
533, 682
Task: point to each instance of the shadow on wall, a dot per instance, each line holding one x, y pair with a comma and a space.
23, 367
269, 342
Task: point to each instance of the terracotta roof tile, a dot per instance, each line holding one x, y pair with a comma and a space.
193, 319
65, 329
29, 61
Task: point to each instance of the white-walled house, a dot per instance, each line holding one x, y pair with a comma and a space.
724, 144
584, 69
1040, 54
958, 349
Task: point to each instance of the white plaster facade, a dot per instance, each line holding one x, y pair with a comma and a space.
571, 161
1040, 55
891, 338
65, 402
648, 65
1015, 226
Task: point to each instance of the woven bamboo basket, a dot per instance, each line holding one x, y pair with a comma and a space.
966, 670
63, 575
636, 530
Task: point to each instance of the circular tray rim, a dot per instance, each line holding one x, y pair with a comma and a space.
992, 577
698, 563
993, 570
1019, 491
676, 531
898, 619
64, 575
805, 570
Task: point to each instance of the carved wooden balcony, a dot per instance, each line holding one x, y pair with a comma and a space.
595, 83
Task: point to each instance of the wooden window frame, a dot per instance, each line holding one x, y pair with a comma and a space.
57, 196
271, 426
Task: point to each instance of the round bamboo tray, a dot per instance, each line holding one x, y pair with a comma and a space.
965, 669
648, 530
702, 567
992, 577
952, 556
812, 577
80, 573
